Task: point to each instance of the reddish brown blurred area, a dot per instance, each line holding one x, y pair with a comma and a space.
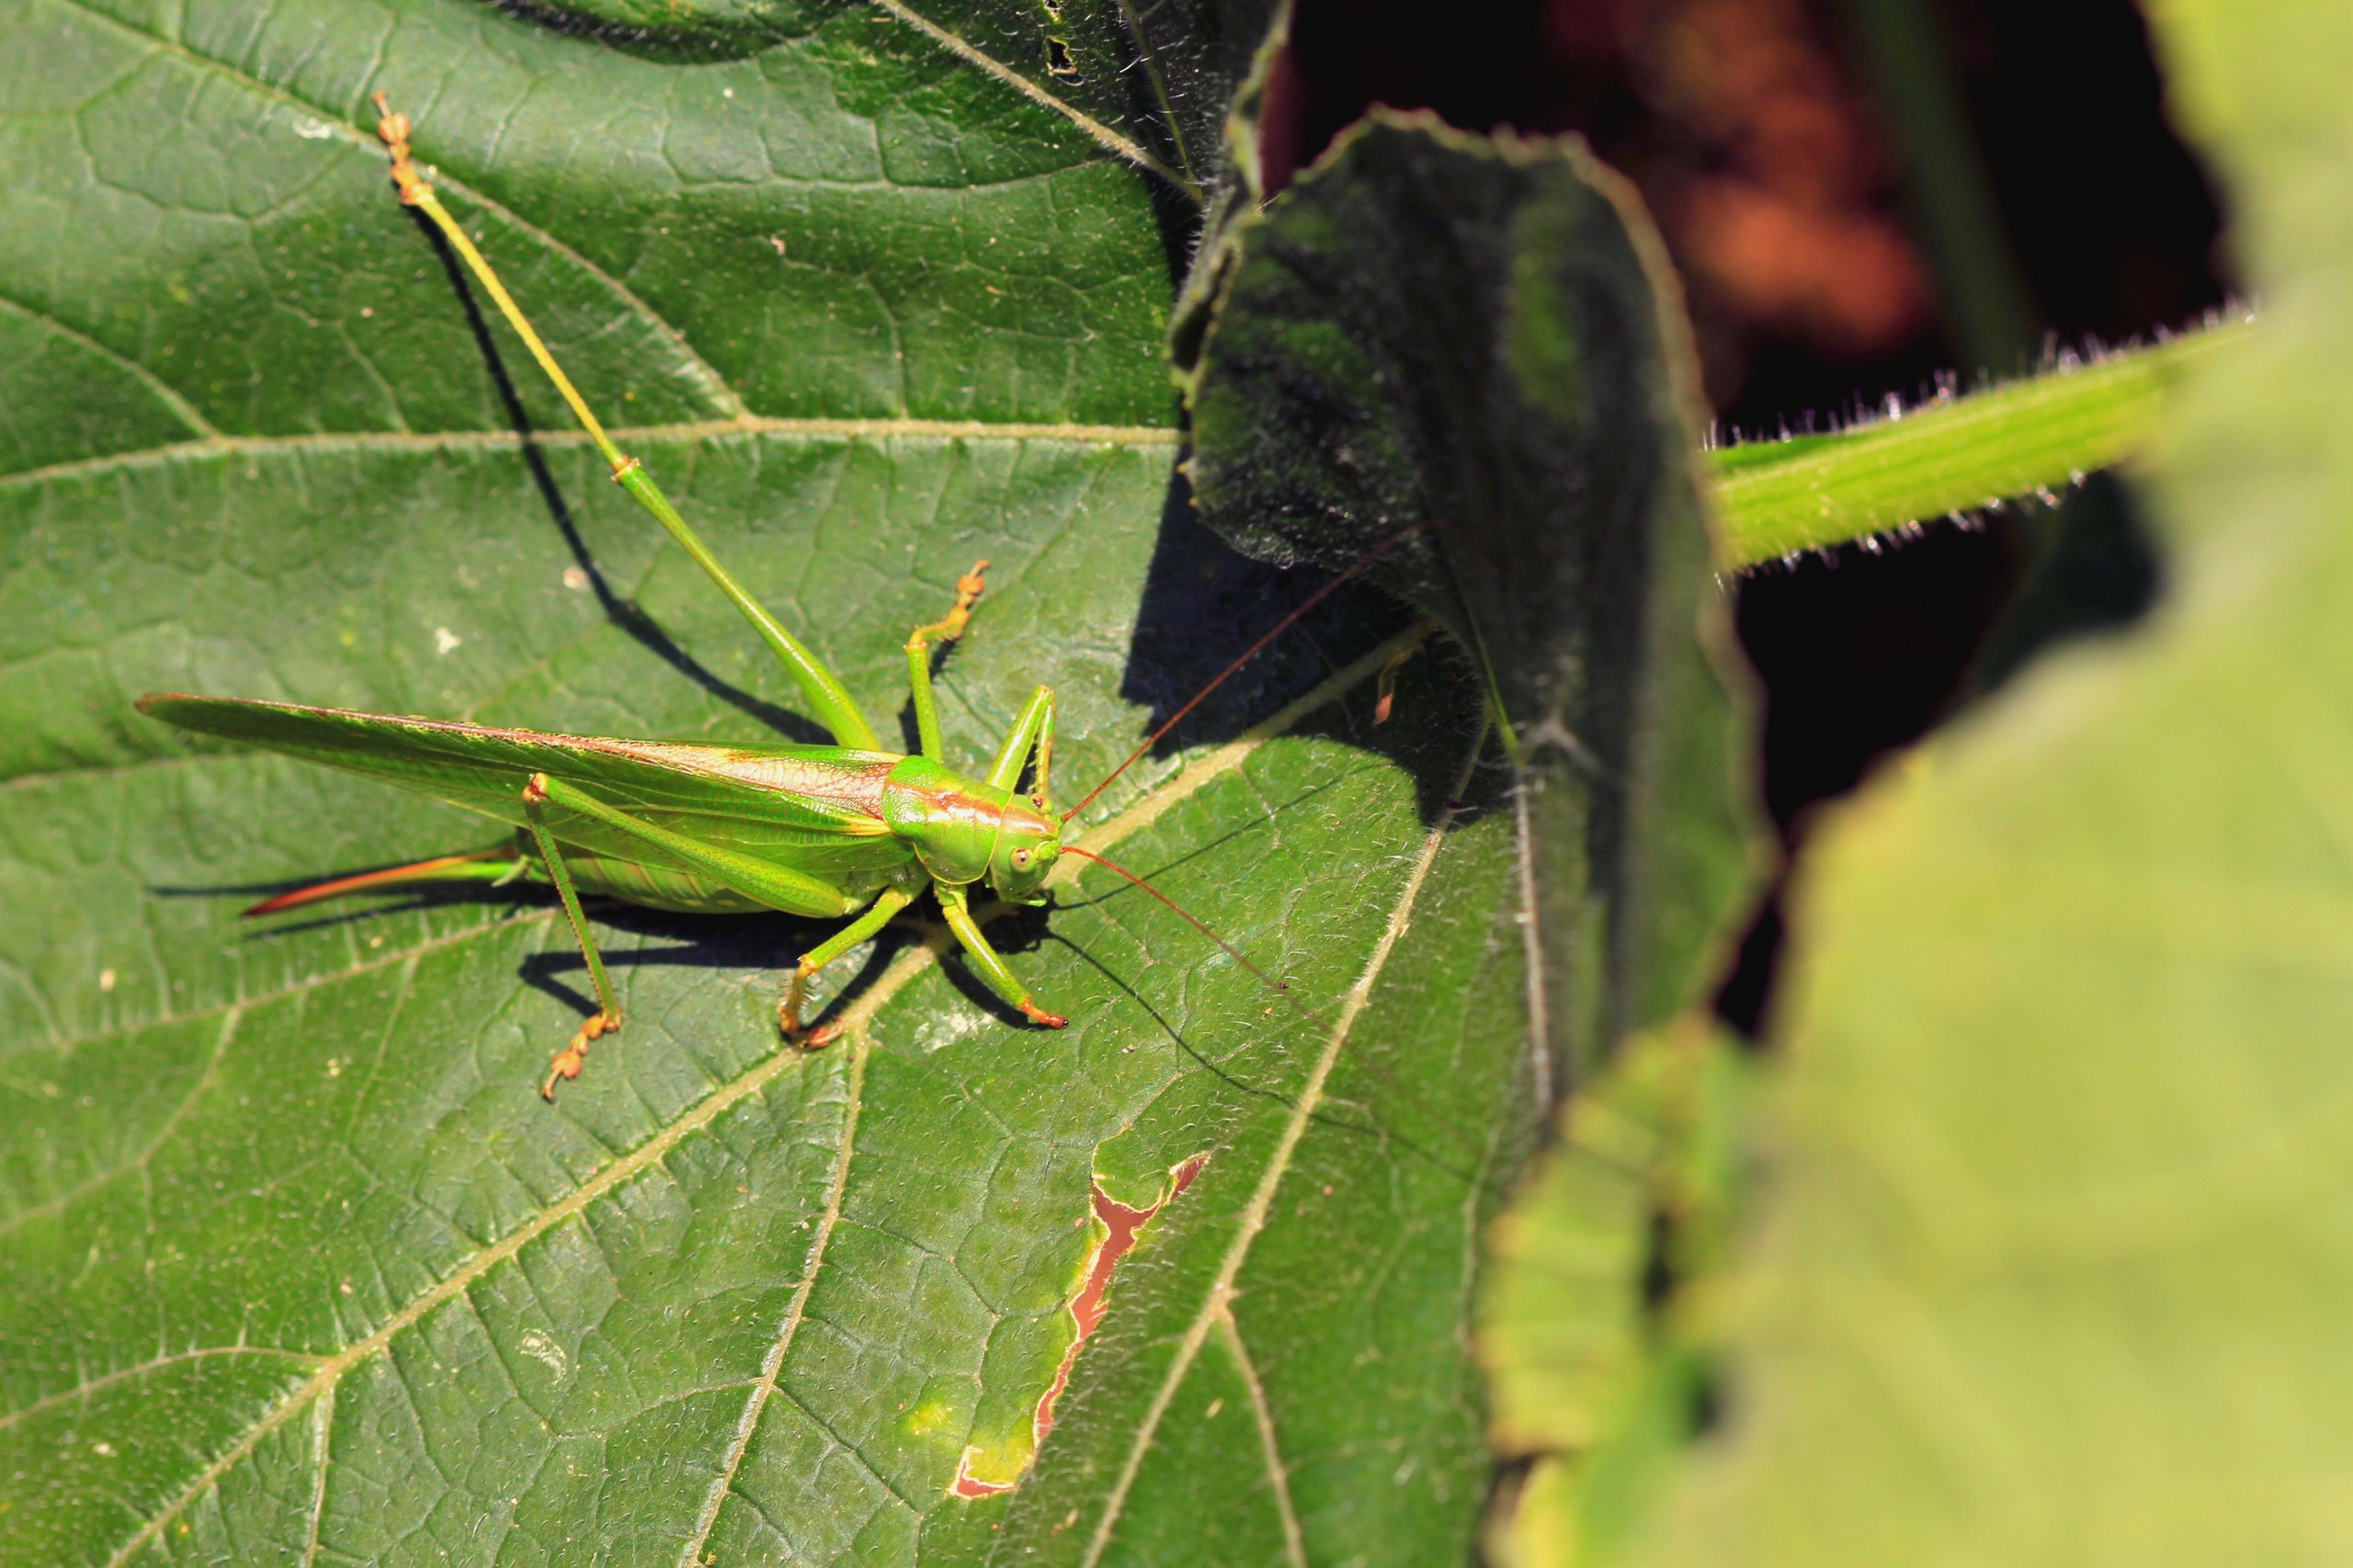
1778, 197
1754, 150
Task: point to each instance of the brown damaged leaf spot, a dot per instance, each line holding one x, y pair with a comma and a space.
1121, 1226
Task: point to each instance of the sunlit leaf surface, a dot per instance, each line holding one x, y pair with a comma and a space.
299, 1268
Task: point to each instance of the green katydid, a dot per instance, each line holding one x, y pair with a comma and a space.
821, 830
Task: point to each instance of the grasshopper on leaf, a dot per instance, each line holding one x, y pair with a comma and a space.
820, 831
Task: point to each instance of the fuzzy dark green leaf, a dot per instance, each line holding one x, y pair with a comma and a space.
1478, 340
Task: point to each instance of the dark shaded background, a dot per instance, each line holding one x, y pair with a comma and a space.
1861, 196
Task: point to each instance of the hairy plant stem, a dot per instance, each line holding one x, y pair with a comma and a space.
1950, 457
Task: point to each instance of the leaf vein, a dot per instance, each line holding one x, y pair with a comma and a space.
772, 1366
1269, 1444
1532, 940
156, 1364
312, 983
752, 425
1150, 63
324, 1427
852, 1449
137, 1161
1123, 145
183, 410
856, 1020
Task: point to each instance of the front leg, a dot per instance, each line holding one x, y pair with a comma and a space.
990, 963
1033, 726
947, 628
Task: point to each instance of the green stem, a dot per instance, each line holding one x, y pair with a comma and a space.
1777, 498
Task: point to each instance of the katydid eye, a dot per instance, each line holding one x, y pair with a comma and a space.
1021, 859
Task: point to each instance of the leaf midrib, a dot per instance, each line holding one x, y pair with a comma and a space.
688, 431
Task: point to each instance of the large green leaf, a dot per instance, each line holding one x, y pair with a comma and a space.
1465, 353
298, 1267
2057, 1246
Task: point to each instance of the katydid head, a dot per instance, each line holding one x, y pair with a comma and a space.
1028, 843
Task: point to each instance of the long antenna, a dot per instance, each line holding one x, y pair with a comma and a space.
1231, 951
1285, 624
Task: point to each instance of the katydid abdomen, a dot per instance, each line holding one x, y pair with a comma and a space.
634, 881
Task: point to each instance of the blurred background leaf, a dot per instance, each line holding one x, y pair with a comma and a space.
2050, 1254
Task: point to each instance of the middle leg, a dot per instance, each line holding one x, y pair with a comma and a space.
887, 903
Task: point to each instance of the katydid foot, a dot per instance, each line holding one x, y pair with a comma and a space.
950, 627
787, 1010
808, 1036
574, 1056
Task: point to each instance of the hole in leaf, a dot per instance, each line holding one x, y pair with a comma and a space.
1058, 61
1121, 1226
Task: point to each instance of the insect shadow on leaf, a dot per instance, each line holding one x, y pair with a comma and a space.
624, 614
